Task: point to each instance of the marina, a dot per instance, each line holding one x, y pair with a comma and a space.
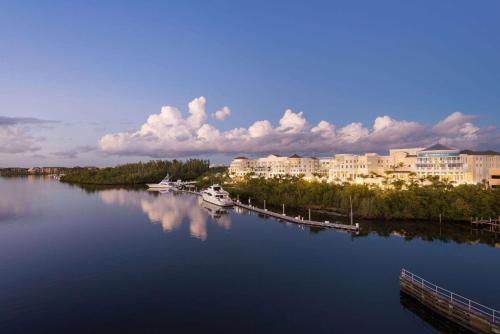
282, 216
178, 257
298, 219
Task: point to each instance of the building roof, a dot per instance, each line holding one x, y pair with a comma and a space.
488, 152
438, 147
295, 156
241, 158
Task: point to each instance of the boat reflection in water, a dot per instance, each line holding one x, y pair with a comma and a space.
169, 209
218, 213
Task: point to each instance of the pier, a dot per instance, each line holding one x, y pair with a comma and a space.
492, 225
282, 216
297, 220
454, 307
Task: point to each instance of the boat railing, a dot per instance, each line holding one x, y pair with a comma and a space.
454, 298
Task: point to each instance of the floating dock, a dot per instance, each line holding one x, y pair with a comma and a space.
296, 220
492, 225
353, 228
460, 310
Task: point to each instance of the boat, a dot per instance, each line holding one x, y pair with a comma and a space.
216, 195
165, 184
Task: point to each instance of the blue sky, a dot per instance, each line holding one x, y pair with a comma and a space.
99, 68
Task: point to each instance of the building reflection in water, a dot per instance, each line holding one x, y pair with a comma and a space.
171, 209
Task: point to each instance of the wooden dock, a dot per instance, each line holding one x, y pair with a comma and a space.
462, 311
297, 220
489, 224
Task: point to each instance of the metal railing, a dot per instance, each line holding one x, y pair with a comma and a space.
465, 303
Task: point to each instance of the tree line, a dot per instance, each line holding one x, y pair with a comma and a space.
139, 173
422, 202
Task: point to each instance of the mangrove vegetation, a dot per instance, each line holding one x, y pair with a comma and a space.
139, 173
411, 202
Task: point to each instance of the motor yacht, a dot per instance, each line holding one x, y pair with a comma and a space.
165, 184
216, 195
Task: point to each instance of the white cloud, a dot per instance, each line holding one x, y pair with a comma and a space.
170, 134
292, 122
222, 114
260, 129
353, 133
453, 123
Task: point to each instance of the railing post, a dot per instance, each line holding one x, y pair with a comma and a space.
264, 204
469, 306
451, 297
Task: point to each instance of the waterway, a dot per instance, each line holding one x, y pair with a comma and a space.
118, 260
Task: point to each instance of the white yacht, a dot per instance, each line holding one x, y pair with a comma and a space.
165, 184
216, 195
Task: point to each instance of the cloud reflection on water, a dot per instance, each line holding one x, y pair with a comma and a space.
170, 209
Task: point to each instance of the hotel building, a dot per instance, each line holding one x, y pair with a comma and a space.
494, 178
275, 165
459, 167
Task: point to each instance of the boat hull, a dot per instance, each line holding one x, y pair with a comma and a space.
159, 186
215, 201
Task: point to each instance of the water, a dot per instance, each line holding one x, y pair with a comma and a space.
130, 261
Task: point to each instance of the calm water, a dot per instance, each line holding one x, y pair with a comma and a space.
130, 261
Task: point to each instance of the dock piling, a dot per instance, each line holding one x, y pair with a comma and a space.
299, 219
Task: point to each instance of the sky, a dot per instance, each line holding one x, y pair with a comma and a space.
103, 83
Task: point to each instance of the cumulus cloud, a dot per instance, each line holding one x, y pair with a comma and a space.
222, 114
170, 134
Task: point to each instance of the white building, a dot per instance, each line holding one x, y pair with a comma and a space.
460, 167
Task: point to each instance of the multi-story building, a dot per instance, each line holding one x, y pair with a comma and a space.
275, 165
241, 166
494, 178
459, 167
371, 167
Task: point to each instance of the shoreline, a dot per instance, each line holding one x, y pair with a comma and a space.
321, 211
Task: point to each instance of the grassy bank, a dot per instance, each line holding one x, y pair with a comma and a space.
412, 203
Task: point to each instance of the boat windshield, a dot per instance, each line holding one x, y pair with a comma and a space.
216, 188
